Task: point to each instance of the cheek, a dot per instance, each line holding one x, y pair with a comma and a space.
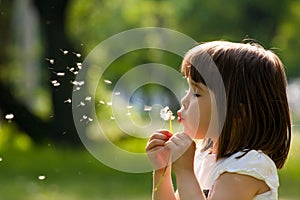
198, 121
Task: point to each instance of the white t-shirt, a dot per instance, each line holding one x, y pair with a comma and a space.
255, 164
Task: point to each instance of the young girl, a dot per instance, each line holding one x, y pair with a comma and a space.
241, 161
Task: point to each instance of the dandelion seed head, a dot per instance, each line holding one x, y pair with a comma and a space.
166, 114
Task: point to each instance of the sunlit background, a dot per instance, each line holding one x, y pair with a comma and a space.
42, 47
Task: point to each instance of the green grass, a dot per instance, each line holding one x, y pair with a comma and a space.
76, 175
73, 175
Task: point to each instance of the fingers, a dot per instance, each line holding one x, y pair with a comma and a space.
178, 144
158, 139
166, 132
180, 139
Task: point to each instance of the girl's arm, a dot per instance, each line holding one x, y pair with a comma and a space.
158, 155
183, 151
165, 191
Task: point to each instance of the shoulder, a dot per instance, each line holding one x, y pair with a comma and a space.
236, 186
245, 174
253, 163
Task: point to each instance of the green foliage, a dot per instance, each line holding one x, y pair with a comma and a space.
271, 23
68, 174
287, 39
12, 138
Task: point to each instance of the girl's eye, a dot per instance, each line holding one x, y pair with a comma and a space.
197, 95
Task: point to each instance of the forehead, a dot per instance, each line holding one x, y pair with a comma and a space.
197, 85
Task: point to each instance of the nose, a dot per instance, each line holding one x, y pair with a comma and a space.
184, 101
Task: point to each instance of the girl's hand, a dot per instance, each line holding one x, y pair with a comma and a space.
182, 148
156, 150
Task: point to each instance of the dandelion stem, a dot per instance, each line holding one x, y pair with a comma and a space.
163, 175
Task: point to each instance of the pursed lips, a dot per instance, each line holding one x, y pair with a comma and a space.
179, 116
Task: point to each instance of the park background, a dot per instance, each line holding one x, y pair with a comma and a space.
43, 42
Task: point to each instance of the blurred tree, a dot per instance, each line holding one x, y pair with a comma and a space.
61, 126
53, 21
36, 128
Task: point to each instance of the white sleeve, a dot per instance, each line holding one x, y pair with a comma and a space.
255, 164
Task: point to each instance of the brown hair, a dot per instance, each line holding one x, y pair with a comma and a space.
257, 111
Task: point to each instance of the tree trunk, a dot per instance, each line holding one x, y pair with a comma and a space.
52, 18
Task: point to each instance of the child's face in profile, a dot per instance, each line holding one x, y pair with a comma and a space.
195, 113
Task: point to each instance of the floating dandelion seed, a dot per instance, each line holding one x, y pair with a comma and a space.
109, 103
80, 83
128, 113
68, 101
101, 102
147, 108
9, 116
88, 98
55, 83
78, 55
129, 107
84, 117
76, 89
90, 119
112, 118
81, 104
1, 159
51, 61
42, 177
60, 73
64, 51
107, 82
79, 65
117, 93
